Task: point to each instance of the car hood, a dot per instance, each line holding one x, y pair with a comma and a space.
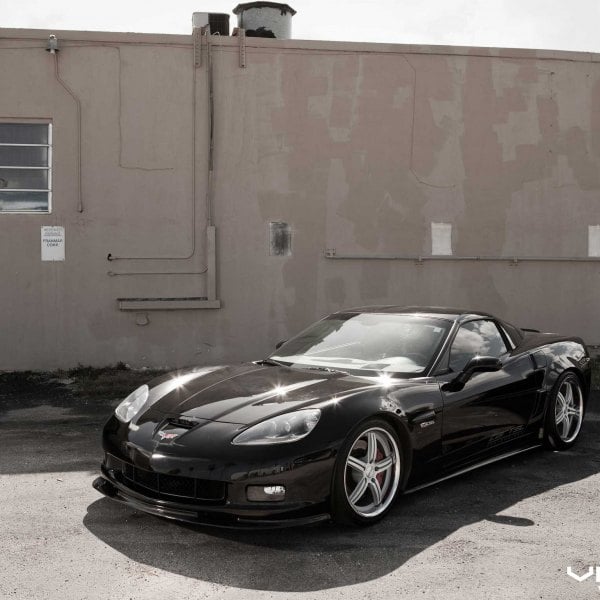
247, 393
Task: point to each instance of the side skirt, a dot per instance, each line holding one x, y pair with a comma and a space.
483, 463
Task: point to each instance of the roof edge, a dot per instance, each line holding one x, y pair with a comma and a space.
21, 34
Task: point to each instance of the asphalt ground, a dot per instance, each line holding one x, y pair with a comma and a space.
509, 530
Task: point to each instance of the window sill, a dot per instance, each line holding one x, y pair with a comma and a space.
141, 304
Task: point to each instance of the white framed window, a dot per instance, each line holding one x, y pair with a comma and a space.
25, 167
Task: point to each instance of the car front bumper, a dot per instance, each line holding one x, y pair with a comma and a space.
200, 477
223, 517
219, 503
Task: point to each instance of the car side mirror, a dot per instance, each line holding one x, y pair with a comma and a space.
279, 344
478, 364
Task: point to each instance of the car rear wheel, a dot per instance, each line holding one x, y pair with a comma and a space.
565, 412
367, 474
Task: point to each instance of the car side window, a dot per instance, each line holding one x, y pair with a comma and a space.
475, 338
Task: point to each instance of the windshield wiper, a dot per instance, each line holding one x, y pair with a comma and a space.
271, 362
328, 369
275, 363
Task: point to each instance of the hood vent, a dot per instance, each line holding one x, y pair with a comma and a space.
183, 422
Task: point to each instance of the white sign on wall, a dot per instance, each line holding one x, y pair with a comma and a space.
441, 239
53, 243
594, 240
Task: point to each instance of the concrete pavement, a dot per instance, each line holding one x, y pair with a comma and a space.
506, 531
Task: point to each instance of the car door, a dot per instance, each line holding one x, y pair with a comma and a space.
493, 408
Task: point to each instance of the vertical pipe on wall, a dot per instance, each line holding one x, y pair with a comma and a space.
211, 263
210, 268
211, 114
192, 252
78, 106
211, 251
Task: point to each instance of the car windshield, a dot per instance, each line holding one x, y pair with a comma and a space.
389, 343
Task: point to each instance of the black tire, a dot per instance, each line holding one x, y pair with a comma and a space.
375, 475
561, 434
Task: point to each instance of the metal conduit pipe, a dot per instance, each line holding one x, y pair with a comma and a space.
210, 301
78, 117
512, 260
331, 254
192, 252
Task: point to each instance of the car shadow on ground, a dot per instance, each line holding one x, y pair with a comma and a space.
328, 556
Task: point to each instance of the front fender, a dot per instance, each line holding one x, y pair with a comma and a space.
414, 408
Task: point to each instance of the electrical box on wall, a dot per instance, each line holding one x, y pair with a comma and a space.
280, 239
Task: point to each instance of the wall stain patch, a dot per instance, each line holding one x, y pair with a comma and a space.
280, 239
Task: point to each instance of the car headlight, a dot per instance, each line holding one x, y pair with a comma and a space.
132, 405
282, 429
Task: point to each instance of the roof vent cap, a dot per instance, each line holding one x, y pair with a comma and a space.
265, 19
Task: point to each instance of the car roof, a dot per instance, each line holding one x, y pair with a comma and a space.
438, 312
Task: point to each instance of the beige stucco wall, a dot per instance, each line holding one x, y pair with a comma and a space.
358, 146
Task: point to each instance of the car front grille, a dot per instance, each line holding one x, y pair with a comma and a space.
167, 487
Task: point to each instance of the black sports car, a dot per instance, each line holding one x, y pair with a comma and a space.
362, 406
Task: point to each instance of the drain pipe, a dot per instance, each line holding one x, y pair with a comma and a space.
211, 126
211, 232
53, 49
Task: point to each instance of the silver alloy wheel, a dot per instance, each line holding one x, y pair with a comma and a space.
568, 412
372, 472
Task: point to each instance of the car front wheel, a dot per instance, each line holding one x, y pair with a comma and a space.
367, 474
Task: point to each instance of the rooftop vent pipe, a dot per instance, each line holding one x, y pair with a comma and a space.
265, 19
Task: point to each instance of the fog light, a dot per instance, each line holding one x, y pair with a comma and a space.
265, 493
